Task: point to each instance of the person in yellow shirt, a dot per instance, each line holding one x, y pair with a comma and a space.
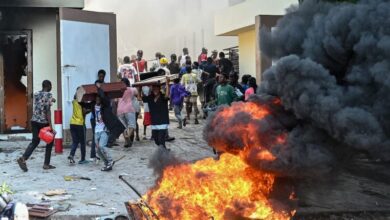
77, 130
190, 82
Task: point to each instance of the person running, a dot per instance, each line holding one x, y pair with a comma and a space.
252, 88
190, 81
225, 93
158, 104
177, 95
105, 123
127, 112
41, 118
77, 131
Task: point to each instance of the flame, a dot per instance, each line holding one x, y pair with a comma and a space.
228, 188
212, 189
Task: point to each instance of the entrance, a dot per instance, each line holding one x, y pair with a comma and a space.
15, 81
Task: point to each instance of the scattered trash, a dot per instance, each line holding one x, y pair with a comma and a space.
40, 210
93, 188
96, 204
73, 178
120, 158
62, 207
56, 192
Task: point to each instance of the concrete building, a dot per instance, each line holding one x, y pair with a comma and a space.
54, 40
243, 19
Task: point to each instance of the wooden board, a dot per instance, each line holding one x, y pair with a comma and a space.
87, 93
157, 80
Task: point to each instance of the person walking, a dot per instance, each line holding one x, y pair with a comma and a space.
128, 71
105, 123
190, 81
41, 118
77, 131
177, 95
158, 104
127, 112
147, 117
173, 66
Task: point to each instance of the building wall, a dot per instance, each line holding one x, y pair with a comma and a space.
247, 45
42, 22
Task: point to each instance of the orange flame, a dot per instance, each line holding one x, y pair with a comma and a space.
213, 189
227, 188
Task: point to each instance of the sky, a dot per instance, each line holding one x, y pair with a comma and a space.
164, 26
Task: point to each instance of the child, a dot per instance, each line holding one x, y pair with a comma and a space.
178, 93
158, 106
106, 123
77, 131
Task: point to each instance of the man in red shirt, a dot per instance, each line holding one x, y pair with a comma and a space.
140, 64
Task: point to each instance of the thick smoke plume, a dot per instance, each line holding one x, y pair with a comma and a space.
332, 77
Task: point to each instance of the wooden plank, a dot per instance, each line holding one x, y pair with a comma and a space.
87, 93
155, 80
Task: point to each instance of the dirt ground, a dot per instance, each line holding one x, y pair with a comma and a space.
104, 188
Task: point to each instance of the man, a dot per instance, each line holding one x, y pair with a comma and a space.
156, 64
183, 58
225, 93
163, 69
190, 81
101, 76
105, 123
225, 65
141, 65
202, 58
214, 56
173, 66
158, 105
211, 70
128, 71
233, 79
41, 118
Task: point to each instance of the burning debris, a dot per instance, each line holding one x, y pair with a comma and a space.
325, 100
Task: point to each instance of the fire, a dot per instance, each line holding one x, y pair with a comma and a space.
211, 189
228, 188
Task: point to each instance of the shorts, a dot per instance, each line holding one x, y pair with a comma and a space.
128, 119
147, 119
191, 99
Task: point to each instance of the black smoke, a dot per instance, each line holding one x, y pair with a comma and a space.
333, 79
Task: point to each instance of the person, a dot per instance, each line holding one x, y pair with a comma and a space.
214, 56
202, 77
158, 105
177, 95
244, 81
190, 81
163, 68
202, 58
252, 88
127, 112
140, 64
41, 118
173, 66
93, 156
77, 131
156, 63
225, 65
147, 117
225, 93
127, 70
105, 123
233, 78
211, 70
184, 57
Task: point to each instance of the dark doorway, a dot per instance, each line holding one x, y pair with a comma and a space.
16, 80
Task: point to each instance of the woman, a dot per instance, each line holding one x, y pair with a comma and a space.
251, 89
127, 112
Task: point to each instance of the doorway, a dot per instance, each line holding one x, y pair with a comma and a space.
15, 81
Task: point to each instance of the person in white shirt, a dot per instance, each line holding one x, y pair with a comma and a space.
127, 70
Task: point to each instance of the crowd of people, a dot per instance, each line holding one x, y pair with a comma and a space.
210, 80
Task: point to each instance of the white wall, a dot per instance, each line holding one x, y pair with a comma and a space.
166, 26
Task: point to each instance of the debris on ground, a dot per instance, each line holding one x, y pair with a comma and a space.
73, 178
41, 210
56, 192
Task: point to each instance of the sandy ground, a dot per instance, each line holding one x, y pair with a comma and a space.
105, 188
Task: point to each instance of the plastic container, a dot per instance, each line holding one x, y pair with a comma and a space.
47, 135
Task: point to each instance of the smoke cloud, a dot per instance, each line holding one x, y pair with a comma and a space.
332, 79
